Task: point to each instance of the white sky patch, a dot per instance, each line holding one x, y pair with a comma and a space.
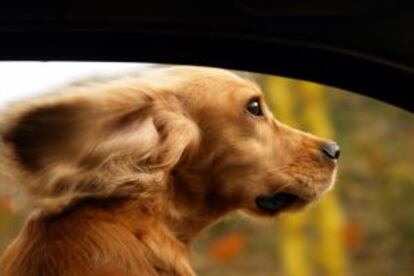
20, 80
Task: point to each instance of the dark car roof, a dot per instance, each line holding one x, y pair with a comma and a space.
364, 46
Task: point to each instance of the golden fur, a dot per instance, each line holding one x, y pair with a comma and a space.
124, 174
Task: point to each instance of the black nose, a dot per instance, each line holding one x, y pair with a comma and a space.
330, 150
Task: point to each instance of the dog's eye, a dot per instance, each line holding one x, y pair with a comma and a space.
254, 107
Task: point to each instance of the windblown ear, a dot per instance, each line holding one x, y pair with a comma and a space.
64, 131
96, 146
49, 134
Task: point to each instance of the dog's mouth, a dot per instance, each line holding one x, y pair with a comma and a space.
279, 202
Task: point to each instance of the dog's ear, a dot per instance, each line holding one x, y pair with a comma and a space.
65, 131
98, 146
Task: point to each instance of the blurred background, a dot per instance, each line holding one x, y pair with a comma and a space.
365, 226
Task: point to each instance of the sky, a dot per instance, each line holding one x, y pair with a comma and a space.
20, 80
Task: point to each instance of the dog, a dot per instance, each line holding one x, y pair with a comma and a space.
123, 174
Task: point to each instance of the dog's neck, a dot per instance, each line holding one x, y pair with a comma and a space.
192, 208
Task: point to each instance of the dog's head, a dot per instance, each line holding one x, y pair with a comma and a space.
203, 134
250, 160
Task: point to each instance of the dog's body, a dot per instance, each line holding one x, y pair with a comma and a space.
125, 174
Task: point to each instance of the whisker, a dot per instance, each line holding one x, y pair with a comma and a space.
276, 169
283, 187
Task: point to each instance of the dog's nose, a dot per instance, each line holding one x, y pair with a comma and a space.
330, 150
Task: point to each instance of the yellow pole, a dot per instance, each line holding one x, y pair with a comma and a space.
329, 218
292, 245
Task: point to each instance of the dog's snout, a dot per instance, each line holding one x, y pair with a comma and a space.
330, 150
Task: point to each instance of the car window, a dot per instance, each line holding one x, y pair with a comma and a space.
364, 226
